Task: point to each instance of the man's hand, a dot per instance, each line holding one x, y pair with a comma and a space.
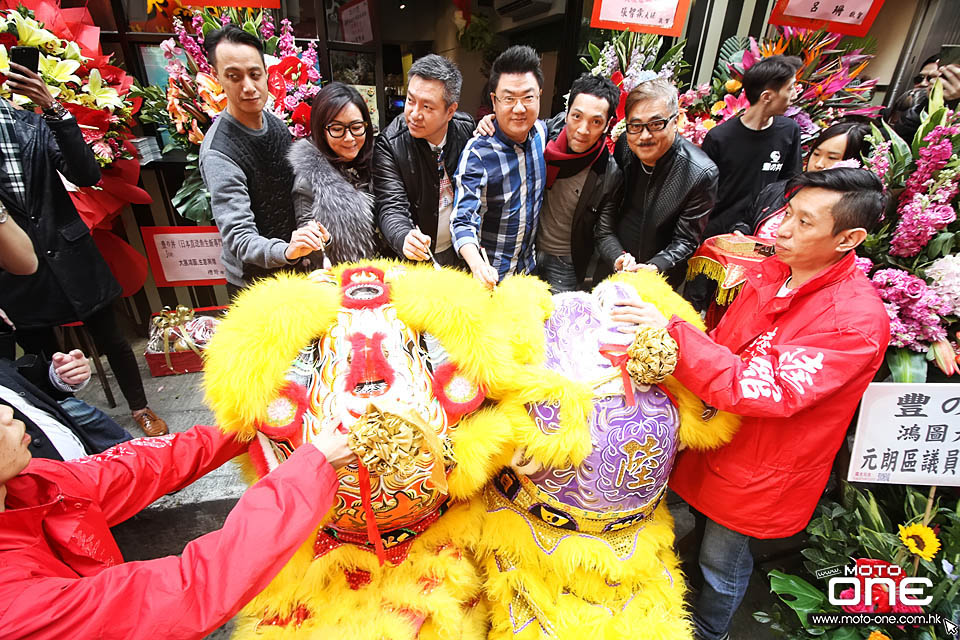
333, 445
306, 240
72, 368
626, 262
950, 77
28, 84
486, 274
485, 126
416, 245
636, 313
479, 267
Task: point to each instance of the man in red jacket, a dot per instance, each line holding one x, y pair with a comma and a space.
793, 356
62, 575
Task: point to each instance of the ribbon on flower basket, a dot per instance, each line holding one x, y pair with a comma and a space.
173, 322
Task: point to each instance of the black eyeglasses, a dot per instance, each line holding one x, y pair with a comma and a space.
337, 130
654, 126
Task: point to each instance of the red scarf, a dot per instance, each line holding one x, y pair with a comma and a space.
561, 163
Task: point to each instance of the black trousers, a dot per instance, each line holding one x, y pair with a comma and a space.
106, 334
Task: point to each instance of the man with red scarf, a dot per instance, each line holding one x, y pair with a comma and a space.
583, 181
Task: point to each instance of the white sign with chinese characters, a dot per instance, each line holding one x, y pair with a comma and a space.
649, 13
908, 434
846, 11
190, 257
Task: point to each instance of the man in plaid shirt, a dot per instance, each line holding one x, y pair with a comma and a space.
500, 179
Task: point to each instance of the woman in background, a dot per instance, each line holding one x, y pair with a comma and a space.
837, 143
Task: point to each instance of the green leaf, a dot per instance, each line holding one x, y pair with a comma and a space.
798, 594
595, 53
906, 365
270, 46
936, 97
843, 633
251, 28
941, 245
192, 200
935, 118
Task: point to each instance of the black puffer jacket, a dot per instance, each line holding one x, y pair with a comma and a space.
72, 280
679, 197
770, 200
601, 195
406, 183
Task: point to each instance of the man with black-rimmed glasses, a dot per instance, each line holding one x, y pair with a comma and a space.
499, 182
670, 187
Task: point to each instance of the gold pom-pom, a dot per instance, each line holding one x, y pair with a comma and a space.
386, 443
653, 356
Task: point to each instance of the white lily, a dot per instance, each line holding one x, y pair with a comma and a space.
56, 71
101, 94
31, 34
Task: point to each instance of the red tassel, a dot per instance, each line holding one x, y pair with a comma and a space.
609, 351
373, 534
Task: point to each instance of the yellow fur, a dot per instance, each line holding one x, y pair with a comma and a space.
584, 586
453, 607
245, 367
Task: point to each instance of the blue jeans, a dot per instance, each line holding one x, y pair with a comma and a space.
99, 428
558, 271
726, 563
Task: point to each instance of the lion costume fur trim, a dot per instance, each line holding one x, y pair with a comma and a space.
438, 580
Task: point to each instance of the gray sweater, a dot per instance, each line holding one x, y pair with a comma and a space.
231, 204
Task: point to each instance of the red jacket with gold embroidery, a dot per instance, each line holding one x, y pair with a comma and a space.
62, 575
795, 368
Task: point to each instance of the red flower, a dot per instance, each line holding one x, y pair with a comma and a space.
8, 40
277, 85
301, 115
116, 77
89, 117
292, 69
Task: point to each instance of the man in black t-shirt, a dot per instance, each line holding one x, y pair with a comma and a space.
757, 148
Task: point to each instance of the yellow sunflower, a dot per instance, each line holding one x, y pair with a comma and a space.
920, 540
876, 635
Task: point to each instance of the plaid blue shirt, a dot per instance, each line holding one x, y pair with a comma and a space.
499, 190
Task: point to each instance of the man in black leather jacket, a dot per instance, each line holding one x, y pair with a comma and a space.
414, 159
583, 182
670, 187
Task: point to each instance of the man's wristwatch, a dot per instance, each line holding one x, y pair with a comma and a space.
55, 111
4, 214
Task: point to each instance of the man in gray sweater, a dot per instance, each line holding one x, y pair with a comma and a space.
243, 161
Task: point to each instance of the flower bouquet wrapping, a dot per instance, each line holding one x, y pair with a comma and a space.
98, 95
895, 531
187, 106
629, 59
830, 81
912, 259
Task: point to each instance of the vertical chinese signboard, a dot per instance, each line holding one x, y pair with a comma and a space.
908, 434
849, 17
184, 256
665, 17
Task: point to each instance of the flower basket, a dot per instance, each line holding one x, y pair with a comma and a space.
177, 339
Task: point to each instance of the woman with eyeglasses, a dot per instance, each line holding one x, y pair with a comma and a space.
332, 176
840, 142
